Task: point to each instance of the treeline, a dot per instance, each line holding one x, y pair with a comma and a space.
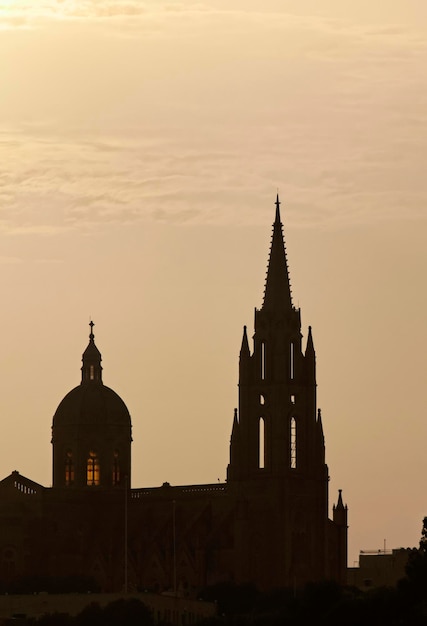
321, 604
327, 603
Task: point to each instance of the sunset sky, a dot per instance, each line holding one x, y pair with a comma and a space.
141, 147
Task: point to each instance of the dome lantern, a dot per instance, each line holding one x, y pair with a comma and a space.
91, 368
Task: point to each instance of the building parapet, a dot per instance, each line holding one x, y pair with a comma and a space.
214, 488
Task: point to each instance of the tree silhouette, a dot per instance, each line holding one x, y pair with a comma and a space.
416, 568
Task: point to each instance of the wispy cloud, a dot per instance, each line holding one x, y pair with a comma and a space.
10, 260
205, 122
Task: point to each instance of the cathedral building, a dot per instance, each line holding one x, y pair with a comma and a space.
268, 524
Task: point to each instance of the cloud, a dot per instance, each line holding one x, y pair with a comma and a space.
10, 260
197, 127
52, 189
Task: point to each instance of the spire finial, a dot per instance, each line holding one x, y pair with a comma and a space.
91, 324
277, 207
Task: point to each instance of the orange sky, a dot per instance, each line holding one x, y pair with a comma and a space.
141, 146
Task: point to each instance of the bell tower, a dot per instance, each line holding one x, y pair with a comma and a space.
277, 452
277, 431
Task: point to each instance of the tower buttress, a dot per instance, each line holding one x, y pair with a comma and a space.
340, 517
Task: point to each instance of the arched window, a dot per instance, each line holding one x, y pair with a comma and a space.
91, 372
261, 452
116, 469
263, 361
293, 456
69, 468
92, 469
292, 361
262, 399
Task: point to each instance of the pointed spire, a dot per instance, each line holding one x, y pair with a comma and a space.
340, 503
244, 350
310, 359
340, 513
277, 294
310, 346
91, 368
235, 429
319, 420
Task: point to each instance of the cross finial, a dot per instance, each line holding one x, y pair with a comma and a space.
91, 324
277, 207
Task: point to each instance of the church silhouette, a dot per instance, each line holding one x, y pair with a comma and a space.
268, 524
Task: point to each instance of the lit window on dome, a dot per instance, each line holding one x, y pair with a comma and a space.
69, 468
91, 372
116, 469
92, 469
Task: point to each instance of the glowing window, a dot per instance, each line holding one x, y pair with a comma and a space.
92, 372
261, 453
92, 469
293, 443
261, 399
69, 468
116, 469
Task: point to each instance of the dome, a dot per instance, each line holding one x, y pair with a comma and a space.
91, 431
92, 404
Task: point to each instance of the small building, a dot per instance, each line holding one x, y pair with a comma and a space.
379, 568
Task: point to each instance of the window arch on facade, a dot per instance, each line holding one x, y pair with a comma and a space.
293, 444
93, 469
261, 443
69, 468
116, 468
263, 361
292, 361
